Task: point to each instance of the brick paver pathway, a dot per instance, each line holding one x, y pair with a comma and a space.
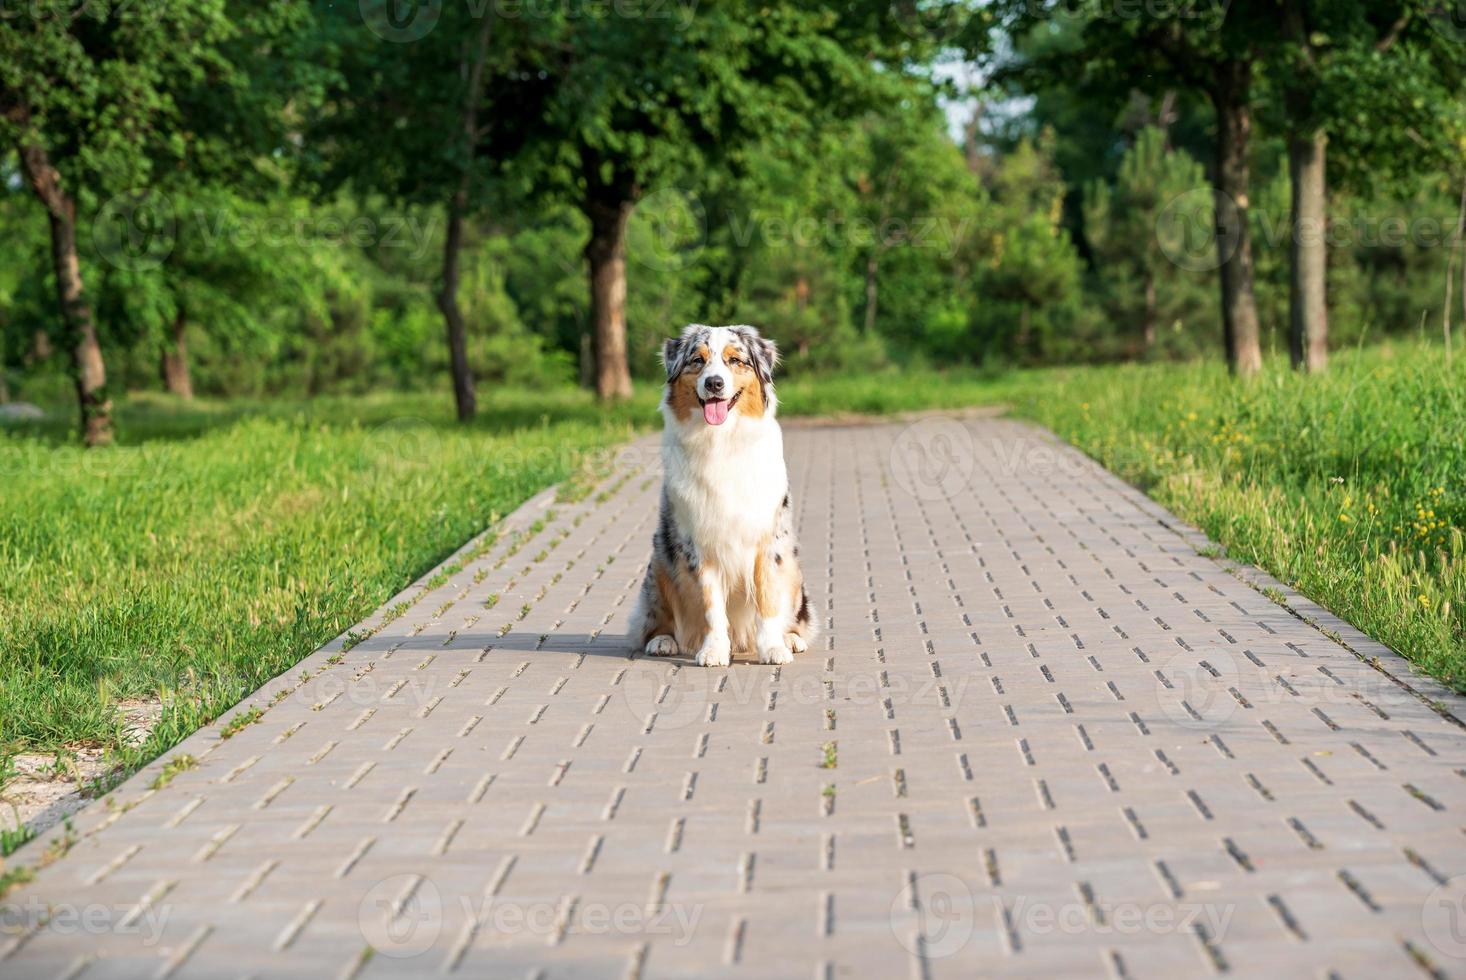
1041, 735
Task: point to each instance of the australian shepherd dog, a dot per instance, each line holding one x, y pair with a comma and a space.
724, 573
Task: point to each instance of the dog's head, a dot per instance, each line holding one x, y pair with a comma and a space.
719, 373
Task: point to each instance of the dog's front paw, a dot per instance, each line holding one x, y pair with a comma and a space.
716, 651
775, 653
662, 646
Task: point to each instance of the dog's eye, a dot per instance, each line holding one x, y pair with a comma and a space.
696, 362
735, 362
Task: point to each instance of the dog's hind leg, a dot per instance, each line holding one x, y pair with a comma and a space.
804, 628
772, 594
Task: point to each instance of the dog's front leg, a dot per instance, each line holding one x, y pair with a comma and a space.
717, 647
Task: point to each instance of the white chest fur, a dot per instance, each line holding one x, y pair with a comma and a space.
725, 485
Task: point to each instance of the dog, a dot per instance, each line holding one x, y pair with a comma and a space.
724, 573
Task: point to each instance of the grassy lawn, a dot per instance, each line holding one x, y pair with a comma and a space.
1350, 486
222, 542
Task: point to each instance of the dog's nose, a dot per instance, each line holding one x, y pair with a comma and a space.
714, 384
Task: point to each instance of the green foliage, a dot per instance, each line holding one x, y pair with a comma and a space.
1159, 206
1028, 275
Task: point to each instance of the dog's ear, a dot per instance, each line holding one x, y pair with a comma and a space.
672, 356
765, 355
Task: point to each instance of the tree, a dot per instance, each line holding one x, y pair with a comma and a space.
1125, 227
1029, 270
1337, 64
102, 97
409, 115
1211, 49
908, 184
639, 102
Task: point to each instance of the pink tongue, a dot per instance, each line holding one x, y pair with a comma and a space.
715, 413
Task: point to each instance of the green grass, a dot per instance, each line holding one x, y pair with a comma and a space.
1349, 486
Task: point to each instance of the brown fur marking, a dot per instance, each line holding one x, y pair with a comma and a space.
745, 383
776, 584
683, 395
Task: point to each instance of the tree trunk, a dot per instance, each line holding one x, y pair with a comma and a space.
1240, 330
1308, 312
971, 145
587, 360
1460, 241
89, 373
463, 394
872, 297
605, 253
464, 399
1148, 325
174, 366
40, 348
